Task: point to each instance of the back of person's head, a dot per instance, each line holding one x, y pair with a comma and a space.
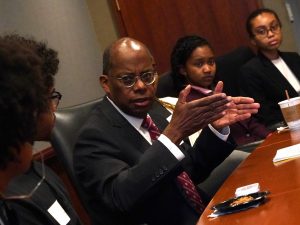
181, 52
21, 96
48, 56
256, 13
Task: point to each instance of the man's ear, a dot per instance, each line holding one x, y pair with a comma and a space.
253, 42
103, 79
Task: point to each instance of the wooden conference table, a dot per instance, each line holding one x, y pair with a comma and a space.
282, 180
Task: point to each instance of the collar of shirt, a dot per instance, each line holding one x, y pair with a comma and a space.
134, 121
284, 69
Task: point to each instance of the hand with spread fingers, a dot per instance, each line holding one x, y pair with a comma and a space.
189, 117
240, 108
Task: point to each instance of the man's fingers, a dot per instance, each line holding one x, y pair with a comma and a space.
184, 93
241, 100
245, 111
217, 99
241, 111
248, 106
219, 87
210, 117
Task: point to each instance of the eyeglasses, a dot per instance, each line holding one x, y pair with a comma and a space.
147, 78
263, 31
35, 188
55, 98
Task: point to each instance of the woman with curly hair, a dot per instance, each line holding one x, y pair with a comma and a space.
22, 94
45, 187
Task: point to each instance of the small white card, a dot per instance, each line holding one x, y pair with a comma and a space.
59, 213
248, 189
287, 153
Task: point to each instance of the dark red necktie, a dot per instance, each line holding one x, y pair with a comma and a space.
185, 182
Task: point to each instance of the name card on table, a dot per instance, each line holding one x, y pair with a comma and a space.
287, 153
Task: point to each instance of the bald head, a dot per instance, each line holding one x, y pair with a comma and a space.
128, 59
122, 47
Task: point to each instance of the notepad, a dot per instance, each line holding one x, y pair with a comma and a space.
287, 153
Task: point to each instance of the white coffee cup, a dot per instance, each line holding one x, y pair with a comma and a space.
290, 109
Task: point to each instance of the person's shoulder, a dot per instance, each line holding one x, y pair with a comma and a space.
170, 100
35, 174
167, 85
104, 116
98, 113
294, 55
253, 62
38, 168
289, 53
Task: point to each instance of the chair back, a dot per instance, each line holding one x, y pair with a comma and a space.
228, 68
166, 86
69, 120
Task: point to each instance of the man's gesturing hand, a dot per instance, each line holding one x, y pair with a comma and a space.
189, 117
240, 109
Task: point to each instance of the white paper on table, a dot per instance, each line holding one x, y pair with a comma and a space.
287, 153
246, 190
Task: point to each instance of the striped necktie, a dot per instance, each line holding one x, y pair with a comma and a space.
183, 179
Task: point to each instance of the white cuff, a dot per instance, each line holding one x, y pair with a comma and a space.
171, 146
223, 134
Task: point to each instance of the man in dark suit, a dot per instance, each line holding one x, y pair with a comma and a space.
130, 177
266, 77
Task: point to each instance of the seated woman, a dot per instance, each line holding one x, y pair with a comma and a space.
21, 95
39, 195
193, 62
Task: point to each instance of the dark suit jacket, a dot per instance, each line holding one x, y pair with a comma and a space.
261, 80
33, 211
130, 181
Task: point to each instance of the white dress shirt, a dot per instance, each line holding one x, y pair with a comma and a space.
287, 73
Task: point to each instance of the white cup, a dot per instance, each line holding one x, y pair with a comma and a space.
290, 109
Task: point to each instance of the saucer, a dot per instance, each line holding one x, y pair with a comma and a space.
241, 202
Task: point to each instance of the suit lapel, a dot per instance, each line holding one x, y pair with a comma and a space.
159, 115
112, 114
276, 77
293, 62
123, 128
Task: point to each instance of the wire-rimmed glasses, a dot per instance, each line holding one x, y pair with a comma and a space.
129, 80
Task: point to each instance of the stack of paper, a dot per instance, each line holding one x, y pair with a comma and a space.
287, 153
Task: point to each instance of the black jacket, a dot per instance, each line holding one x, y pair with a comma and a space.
33, 211
261, 80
